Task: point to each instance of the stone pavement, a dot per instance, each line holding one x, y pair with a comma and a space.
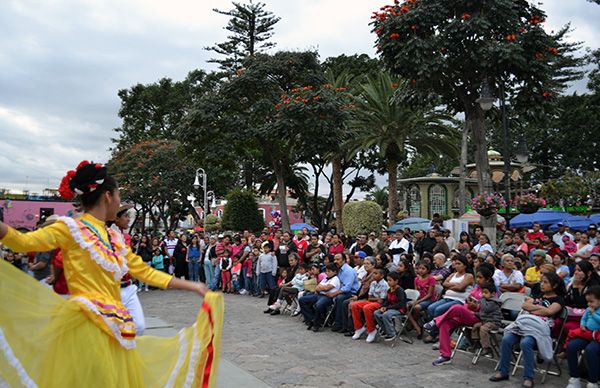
281, 353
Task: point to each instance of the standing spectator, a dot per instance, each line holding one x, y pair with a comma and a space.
266, 269
286, 246
398, 246
301, 243
429, 241
448, 239
193, 259
440, 245
383, 243
180, 257
558, 236
210, 256
169, 245
373, 241
225, 264
315, 250
362, 245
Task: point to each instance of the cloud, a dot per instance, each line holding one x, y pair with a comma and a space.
63, 61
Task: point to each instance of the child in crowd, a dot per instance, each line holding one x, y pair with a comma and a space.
236, 272
255, 282
377, 294
283, 273
157, 260
393, 305
424, 283
225, 266
266, 269
490, 315
406, 272
589, 328
248, 278
290, 289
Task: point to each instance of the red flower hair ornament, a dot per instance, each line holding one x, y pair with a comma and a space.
86, 178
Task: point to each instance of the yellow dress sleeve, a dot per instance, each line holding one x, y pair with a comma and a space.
41, 240
142, 271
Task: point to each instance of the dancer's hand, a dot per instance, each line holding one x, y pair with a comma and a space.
202, 289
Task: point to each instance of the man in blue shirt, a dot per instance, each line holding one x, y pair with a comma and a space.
349, 286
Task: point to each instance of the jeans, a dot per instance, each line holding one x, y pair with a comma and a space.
527, 346
194, 268
439, 307
386, 320
339, 303
216, 278
347, 322
209, 272
313, 307
266, 280
592, 356
247, 281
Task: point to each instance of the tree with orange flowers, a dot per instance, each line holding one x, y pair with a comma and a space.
453, 47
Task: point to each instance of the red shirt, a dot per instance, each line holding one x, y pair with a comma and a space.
301, 247
531, 235
337, 248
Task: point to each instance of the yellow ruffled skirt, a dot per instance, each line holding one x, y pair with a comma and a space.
47, 341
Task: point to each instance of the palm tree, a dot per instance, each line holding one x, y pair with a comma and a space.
379, 195
386, 120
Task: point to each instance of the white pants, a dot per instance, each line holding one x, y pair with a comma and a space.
132, 303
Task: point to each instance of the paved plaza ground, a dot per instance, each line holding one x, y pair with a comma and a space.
281, 353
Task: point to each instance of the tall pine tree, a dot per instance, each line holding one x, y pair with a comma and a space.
251, 28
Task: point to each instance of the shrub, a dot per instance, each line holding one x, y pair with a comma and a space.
241, 212
362, 217
212, 223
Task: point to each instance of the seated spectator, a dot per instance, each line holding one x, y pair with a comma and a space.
458, 315
520, 244
483, 245
562, 269
440, 272
508, 279
490, 316
506, 245
363, 293
584, 248
464, 243
424, 283
394, 305
349, 286
290, 289
407, 275
533, 275
532, 329
595, 262
458, 286
359, 256
313, 306
584, 277
569, 245
586, 337
363, 310
440, 244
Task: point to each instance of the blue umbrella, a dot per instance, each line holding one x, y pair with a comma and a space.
545, 217
595, 218
414, 223
579, 223
299, 226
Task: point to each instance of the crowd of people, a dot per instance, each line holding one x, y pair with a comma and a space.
360, 282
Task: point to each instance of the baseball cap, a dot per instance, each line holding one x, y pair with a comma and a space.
592, 226
560, 224
539, 252
221, 235
361, 254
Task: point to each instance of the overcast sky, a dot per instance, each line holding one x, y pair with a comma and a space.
62, 63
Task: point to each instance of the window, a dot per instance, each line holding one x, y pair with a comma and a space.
414, 201
263, 212
220, 213
437, 200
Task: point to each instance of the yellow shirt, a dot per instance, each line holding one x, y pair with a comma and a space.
93, 268
532, 275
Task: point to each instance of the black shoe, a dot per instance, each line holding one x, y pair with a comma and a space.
267, 311
275, 312
335, 329
309, 326
316, 328
262, 296
348, 334
498, 377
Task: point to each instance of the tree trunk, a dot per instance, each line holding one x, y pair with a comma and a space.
392, 191
281, 195
249, 175
316, 217
475, 123
338, 200
462, 186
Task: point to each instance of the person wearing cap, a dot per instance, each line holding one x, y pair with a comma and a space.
359, 258
592, 234
373, 241
558, 236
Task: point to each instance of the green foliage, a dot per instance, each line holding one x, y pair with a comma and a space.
452, 47
423, 164
250, 26
241, 212
572, 189
378, 195
152, 175
212, 223
362, 217
594, 76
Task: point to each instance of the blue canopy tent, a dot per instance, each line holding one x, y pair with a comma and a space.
577, 223
544, 217
299, 226
414, 223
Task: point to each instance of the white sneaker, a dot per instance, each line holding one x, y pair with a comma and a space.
243, 292
592, 385
574, 382
359, 332
275, 306
371, 336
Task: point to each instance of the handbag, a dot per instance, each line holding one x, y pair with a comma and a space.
310, 285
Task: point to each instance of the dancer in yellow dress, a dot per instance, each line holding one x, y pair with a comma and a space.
89, 340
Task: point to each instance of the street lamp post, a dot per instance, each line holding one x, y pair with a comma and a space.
506, 152
204, 186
